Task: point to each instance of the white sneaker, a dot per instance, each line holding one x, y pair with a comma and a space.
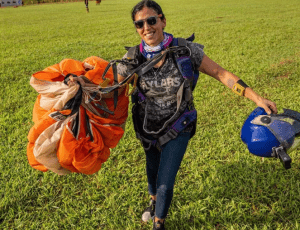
149, 212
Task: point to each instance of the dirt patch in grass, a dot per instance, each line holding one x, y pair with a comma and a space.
283, 63
283, 76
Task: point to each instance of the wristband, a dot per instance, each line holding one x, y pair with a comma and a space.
239, 88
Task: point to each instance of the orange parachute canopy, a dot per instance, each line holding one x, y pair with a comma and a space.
74, 130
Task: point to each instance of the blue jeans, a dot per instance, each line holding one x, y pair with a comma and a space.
162, 167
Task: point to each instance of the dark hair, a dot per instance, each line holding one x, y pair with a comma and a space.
147, 3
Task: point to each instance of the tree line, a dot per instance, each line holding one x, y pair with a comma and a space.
30, 2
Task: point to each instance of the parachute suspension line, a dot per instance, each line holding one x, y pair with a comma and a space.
87, 5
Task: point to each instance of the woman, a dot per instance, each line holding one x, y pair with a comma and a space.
154, 115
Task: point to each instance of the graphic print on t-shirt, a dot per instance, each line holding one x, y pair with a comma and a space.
160, 87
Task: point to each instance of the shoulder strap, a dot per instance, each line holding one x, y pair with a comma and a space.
181, 42
132, 52
184, 61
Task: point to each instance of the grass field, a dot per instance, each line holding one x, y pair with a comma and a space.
220, 184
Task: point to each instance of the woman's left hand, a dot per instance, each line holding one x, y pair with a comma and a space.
267, 105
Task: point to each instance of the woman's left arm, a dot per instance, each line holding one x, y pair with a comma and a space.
212, 69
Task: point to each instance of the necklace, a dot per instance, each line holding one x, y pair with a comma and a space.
155, 71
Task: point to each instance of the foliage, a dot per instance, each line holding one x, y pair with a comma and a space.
220, 185
30, 2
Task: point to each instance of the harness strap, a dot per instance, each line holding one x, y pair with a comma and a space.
146, 66
150, 63
147, 141
115, 82
132, 52
184, 62
191, 38
89, 129
181, 42
186, 118
179, 100
180, 124
103, 108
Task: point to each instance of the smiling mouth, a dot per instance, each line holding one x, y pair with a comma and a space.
148, 35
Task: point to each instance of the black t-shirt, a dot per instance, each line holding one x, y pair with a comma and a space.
160, 87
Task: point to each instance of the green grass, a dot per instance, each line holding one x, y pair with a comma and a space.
220, 184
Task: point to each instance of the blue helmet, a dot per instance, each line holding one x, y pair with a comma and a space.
266, 134
258, 138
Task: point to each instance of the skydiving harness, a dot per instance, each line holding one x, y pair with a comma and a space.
177, 123
285, 127
182, 56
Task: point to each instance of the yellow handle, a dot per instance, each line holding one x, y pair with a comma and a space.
105, 83
135, 76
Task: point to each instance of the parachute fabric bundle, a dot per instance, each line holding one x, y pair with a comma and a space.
74, 128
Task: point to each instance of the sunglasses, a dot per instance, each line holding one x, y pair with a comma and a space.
151, 21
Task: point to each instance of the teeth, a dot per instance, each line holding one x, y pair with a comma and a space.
149, 34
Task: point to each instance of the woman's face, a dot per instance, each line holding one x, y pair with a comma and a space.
152, 35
